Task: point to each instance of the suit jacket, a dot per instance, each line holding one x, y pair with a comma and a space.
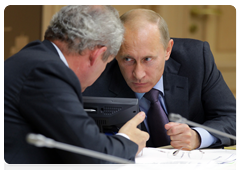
193, 87
42, 95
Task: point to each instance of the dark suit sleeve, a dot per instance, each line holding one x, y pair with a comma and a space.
218, 101
51, 103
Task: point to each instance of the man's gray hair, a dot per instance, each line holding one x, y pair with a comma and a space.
86, 27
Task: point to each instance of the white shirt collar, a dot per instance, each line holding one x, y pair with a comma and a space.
60, 55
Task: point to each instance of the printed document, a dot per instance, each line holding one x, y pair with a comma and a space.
205, 156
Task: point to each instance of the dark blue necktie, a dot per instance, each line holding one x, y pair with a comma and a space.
157, 118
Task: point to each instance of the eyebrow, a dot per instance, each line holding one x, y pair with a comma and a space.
125, 56
129, 56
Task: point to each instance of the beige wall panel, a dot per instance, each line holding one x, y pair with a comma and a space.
22, 24
48, 12
226, 31
230, 79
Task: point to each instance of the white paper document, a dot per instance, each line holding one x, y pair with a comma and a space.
205, 156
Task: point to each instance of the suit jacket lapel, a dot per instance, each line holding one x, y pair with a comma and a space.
175, 89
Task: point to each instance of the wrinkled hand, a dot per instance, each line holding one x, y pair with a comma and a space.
182, 135
135, 134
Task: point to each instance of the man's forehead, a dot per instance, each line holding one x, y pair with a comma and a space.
137, 51
142, 33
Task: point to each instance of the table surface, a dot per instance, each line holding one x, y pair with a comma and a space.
229, 167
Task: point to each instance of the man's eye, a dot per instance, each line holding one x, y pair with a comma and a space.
127, 59
148, 59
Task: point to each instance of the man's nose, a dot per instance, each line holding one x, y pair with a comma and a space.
139, 72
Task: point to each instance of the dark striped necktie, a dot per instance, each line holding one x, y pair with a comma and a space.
157, 118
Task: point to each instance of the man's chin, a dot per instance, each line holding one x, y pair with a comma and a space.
140, 89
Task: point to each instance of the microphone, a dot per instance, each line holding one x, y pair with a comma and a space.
42, 141
178, 118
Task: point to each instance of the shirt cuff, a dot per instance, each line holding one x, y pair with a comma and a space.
124, 135
206, 138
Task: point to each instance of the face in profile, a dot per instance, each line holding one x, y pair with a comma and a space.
142, 58
97, 69
89, 67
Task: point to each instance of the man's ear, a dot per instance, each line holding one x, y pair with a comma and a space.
97, 52
169, 49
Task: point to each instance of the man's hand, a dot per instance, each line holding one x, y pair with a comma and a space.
135, 134
182, 135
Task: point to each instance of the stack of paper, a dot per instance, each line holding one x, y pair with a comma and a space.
162, 159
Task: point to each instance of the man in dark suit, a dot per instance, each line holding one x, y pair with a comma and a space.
185, 74
43, 85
